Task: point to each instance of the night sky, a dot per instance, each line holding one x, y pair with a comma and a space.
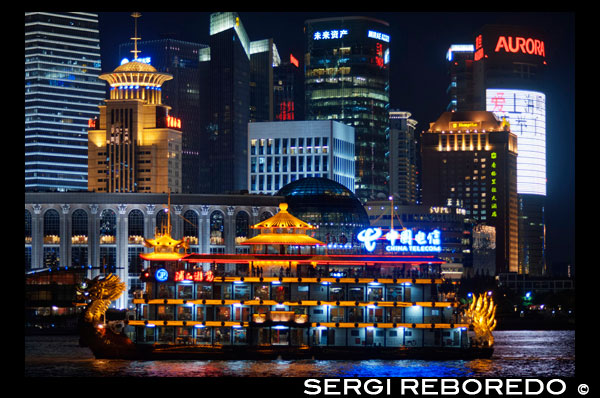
418, 41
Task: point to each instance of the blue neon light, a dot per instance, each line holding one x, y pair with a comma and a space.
161, 275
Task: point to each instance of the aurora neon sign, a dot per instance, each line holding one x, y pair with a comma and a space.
404, 241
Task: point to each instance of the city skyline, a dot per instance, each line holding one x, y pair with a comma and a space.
419, 42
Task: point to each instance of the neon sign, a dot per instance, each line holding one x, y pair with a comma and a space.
405, 241
378, 35
173, 122
368, 237
520, 44
330, 34
195, 276
145, 60
161, 275
294, 61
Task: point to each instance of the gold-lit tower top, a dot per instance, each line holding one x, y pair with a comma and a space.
136, 79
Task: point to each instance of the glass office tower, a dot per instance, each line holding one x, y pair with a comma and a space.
62, 93
224, 139
347, 80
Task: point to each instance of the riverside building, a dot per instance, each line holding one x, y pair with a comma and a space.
62, 92
472, 157
347, 80
503, 71
105, 232
282, 152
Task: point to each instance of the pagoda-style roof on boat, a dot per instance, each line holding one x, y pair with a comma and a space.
283, 239
165, 247
283, 229
283, 219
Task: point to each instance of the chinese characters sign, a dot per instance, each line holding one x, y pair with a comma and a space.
525, 111
404, 241
330, 34
162, 275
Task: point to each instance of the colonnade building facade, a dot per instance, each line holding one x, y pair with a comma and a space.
105, 232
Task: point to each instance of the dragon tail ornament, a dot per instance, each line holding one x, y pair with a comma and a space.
481, 314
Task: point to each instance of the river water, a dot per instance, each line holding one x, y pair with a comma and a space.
517, 354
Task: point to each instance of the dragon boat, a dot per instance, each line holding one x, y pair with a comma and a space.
286, 301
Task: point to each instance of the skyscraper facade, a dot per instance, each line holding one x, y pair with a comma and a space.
347, 80
504, 74
282, 152
471, 157
403, 159
180, 59
62, 92
135, 145
264, 57
224, 138
288, 96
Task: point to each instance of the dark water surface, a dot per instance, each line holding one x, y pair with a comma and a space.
517, 354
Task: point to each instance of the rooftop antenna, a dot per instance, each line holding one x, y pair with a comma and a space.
135, 51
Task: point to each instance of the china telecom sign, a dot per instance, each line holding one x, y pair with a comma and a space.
404, 241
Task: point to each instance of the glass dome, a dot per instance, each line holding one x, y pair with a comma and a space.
329, 205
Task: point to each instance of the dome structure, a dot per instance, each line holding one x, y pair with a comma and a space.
331, 207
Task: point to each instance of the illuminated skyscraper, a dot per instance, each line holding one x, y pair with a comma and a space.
471, 157
62, 92
183, 93
135, 145
504, 74
347, 80
404, 177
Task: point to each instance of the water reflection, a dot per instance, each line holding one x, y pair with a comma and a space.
517, 353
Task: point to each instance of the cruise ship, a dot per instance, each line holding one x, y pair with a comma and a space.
287, 298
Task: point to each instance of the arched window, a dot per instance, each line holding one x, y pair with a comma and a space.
190, 227
162, 222
135, 226
51, 227
108, 226
265, 215
242, 227
79, 226
217, 228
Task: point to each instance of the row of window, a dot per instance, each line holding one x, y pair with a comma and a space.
299, 336
229, 313
108, 223
290, 292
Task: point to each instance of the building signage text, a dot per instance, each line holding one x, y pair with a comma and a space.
330, 34
378, 35
520, 45
404, 241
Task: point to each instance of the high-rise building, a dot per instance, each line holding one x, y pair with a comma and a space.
472, 157
347, 80
504, 74
180, 59
460, 71
282, 152
224, 139
288, 96
135, 145
403, 158
62, 92
264, 57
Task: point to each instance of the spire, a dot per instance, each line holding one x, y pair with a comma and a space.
135, 51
